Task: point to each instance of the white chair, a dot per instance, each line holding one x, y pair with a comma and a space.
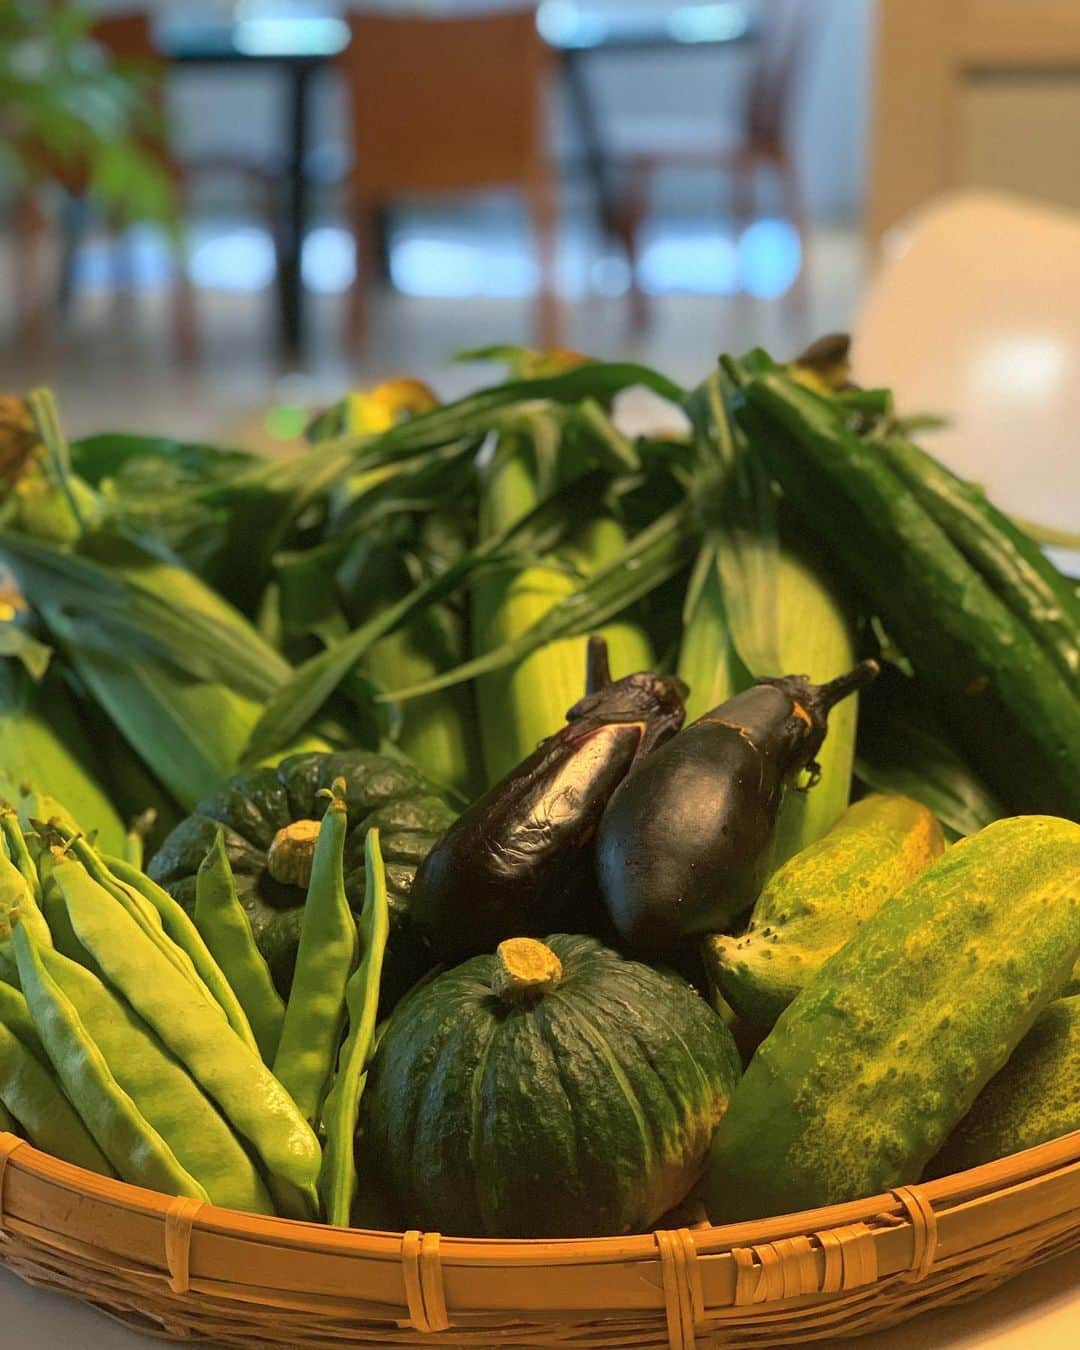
974, 313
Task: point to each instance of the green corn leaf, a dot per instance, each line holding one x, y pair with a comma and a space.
654, 555
901, 747
733, 495
141, 603
478, 413
314, 681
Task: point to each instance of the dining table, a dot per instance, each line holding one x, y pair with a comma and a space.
299, 41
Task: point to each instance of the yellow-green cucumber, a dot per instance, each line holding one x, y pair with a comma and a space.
874, 1064
816, 901
1035, 1097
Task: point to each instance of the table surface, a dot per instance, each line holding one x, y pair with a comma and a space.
1038, 1311
319, 32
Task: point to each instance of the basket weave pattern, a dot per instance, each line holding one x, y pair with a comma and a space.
193, 1272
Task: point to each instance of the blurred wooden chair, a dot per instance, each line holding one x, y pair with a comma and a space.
128, 38
760, 141
441, 105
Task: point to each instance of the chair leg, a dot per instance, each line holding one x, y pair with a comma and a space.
27, 235
367, 261
791, 196
743, 195
631, 213
74, 221
185, 323
543, 213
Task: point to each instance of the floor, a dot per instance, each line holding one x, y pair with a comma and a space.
112, 362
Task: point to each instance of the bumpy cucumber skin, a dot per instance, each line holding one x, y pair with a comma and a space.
1035, 1097
1013, 710
814, 903
864, 1076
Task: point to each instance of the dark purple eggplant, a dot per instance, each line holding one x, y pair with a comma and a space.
682, 844
519, 861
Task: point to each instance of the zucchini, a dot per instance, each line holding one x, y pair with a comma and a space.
817, 900
1009, 560
1012, 708
1033, 1099
870, 1069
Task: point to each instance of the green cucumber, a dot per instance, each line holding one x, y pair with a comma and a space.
816, 901
1012, 708
869, 1070
1035, 1097
1009, 560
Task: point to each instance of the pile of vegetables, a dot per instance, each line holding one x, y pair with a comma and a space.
452, 826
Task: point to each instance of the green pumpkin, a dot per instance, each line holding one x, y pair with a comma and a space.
553, 1090
269, 820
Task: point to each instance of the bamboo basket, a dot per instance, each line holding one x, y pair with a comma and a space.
187, 1271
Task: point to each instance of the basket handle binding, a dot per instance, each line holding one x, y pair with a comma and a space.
9, 1145
179, 1221
788, 1268
421, 1268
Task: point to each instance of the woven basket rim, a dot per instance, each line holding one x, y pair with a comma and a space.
192, 1271
944, 1191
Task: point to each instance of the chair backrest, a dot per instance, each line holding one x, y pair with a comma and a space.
444, 103
783, 35
127, 36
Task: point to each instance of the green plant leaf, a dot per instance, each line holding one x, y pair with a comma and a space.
142, 604
654, 555
312, 683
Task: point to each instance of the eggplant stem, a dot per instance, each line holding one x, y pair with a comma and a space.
597, 665
828, 695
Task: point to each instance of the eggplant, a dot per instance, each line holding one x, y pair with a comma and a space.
519, 861
682, 846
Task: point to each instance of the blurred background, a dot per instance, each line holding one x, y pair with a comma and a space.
208, 207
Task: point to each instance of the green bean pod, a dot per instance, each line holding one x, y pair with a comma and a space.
337, 1181
162, 1090
137, 905
15, 1015
315, 1014
223, 1065
226, 930
132, 1145
16, 849
56, 915
33, 1096
187, 938
17, 898
8, 1124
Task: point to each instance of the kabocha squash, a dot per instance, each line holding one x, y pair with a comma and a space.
270, 822
878, 1059
1035, 1097
551, 1090
812, 905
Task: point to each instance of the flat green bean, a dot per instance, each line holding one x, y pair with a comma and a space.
56, 915
162, 1090
136, 904
8, 1124
315, 1013
16, 849
337, 1180
15, 1015
220, 919
17, 898
231, 1073
187, 939
34, 1097
120, 1130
